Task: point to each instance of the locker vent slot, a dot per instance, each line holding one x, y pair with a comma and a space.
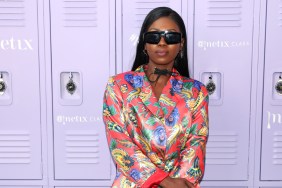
143, 7
222, 148
280, 13
15, 147
82, 147
224, 13
80, 13
12, 13
277, 148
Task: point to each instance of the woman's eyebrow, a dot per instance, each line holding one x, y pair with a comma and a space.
155, 29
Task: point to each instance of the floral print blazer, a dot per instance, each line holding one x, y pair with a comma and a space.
150, 139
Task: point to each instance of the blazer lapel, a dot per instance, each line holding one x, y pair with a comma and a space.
147, 96
171, 94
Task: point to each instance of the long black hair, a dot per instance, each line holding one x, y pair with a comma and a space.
180, 63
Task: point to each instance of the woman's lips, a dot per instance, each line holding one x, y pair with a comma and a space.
161, 53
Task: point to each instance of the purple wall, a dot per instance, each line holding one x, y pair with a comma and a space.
56, 57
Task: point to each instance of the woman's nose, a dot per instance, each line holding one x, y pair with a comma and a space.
162, 41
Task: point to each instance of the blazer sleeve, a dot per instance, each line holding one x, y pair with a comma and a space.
191, 165
131, 162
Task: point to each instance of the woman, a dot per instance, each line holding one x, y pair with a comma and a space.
156, 117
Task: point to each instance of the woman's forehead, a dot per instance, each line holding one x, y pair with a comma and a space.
164, 23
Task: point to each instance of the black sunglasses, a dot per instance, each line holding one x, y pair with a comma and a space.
154, 37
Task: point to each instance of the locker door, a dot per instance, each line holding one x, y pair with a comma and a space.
133, 15
80, 37
20, 140
222, 58
271, 151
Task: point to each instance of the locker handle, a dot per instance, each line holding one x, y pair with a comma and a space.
2, 85
71, 86
278, 86
210, 85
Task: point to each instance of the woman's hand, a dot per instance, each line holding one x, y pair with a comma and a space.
169, 182
189, 184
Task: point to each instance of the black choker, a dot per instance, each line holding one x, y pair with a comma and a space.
162, 71
159, 72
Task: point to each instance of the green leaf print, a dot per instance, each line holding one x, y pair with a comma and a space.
195, 142
187, 85
112, 110
184, 121
147, 134
115, 127
157, 104
132, 132
151, 121
165, 110
193, 129
173, 155
134, 109
147, 103
113, 144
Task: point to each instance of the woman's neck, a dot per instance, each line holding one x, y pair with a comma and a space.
158, 74
152, 66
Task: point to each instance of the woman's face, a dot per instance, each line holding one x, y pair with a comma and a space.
162, 53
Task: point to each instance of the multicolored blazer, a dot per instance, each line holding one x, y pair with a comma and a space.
151, 139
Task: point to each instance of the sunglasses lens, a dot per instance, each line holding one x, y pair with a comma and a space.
173, 38
152, 38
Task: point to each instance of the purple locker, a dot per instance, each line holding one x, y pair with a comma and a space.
222, 58
80, 38
134, 13
20, 127
271, 151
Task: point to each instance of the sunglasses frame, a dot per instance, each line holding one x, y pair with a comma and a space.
162, 34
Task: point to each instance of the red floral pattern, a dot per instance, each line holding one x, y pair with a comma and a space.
151, 139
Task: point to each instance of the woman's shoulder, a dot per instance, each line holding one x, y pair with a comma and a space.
128, 79
194, 85
194, 82
122, 76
